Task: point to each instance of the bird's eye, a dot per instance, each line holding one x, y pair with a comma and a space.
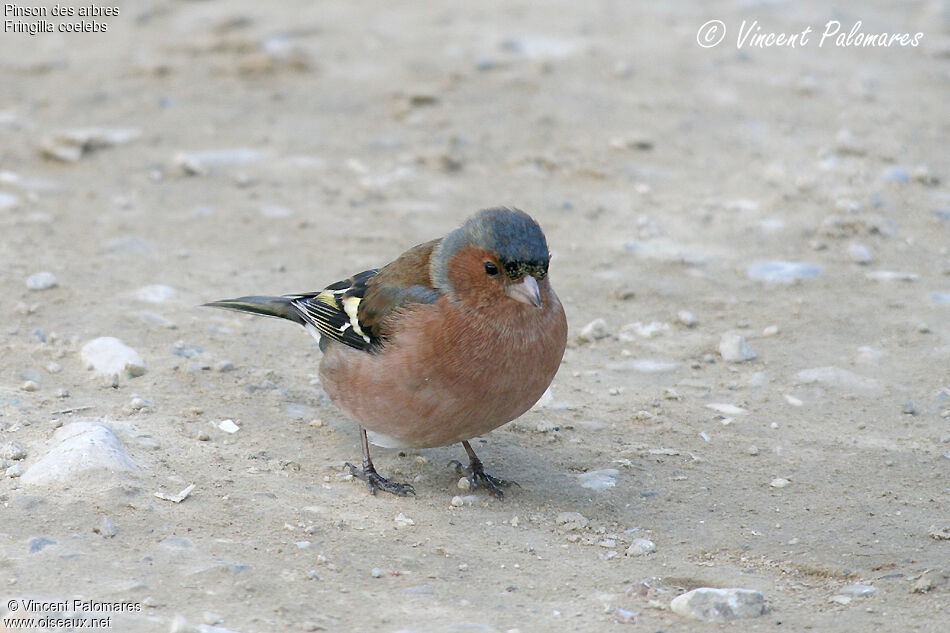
491, 269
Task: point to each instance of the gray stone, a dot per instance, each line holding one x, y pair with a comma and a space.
734, 349
931, 580
39, 543
13, 450
571, 521
86, 453
109, 356
709, 604
640, 547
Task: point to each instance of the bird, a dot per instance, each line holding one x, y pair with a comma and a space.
453, 339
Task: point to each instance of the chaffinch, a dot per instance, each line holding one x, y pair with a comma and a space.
456, 337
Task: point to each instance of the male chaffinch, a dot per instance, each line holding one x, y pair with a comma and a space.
456, 337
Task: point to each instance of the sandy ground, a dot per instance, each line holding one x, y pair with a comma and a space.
348, 132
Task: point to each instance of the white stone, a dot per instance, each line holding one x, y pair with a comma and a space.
201, 163
709, 604
41, 281
868, 356
779, 482
70, 145
685, 317
109, 356
836, 377
640, 547
859, 254
228, 426
13, 451
595, 330
782, 272
734, 349
8, 201
652, 329
156, 293
86, 452
858, 590
599, 479
726, 408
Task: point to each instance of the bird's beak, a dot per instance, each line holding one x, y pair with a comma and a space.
526, 291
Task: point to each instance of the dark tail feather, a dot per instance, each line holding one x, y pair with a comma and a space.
278, 307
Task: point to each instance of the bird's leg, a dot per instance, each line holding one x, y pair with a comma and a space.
373, 479
477, 475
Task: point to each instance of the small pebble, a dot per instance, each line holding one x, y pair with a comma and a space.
685, 317
770, 330
595, 330
29, 385
13, 451
211, 619
752, 450
858, 591
377, 572
228, 426
710, 604
868, 356
224, 366
14, 471
202, 436
54, 368
41, 281
909, 408
734, 349
859, 254
156, 293
464, 484
570, 521
106, 528
599, 479
640, 547
782, 272
39, 543
779, 482
109, 356
457, 502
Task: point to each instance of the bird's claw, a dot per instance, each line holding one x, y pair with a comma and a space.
477, 476
375, 481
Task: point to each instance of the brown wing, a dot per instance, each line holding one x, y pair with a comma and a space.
354, 311
406, 280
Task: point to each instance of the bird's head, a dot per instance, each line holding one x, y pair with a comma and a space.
498, 254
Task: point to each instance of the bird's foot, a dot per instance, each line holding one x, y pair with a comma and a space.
478, 477
375, 481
